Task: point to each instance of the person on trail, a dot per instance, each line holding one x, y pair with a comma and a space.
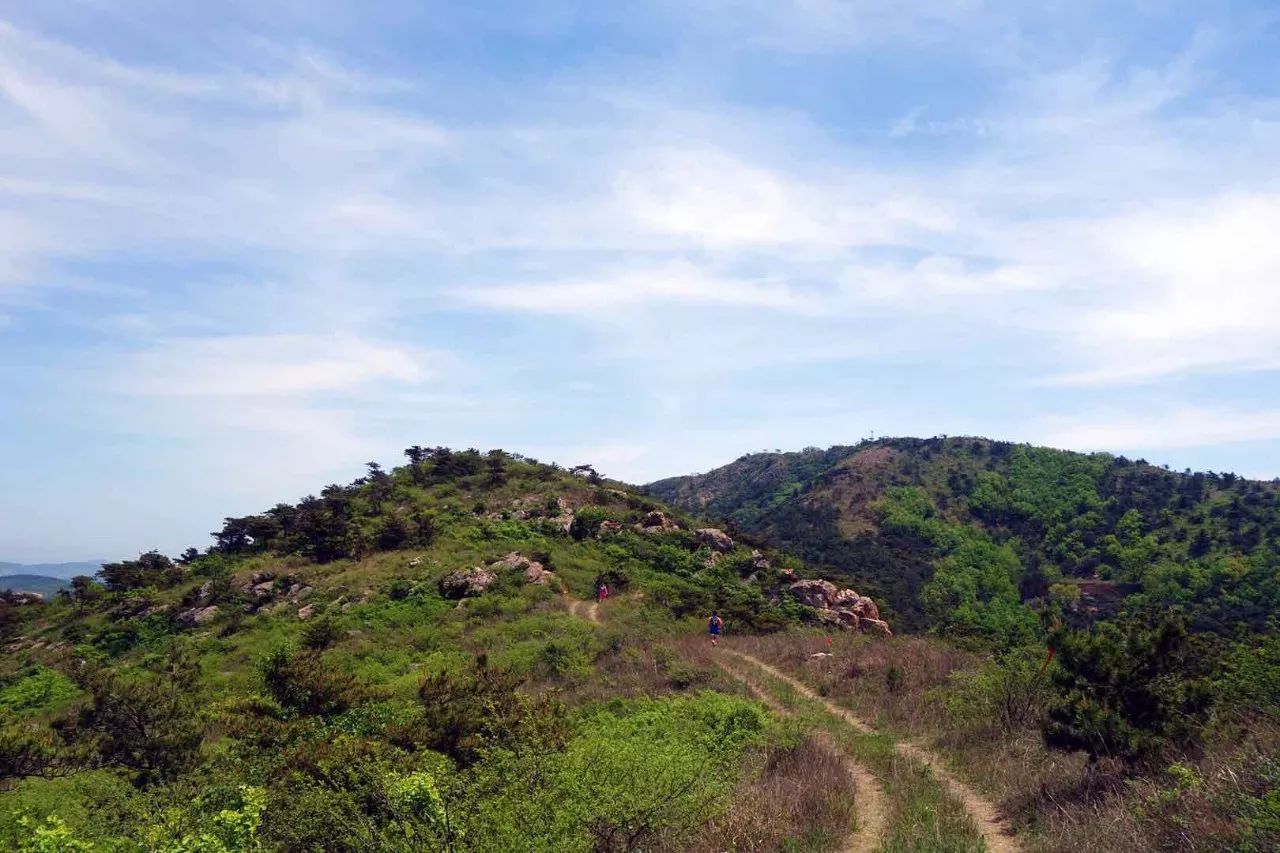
714, 626
602, 593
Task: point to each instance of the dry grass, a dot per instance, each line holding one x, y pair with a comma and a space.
796, 798
1055, 799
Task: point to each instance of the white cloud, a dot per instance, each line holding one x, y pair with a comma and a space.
675, 284
1193, 288
276, 365
709, 197
1163, 429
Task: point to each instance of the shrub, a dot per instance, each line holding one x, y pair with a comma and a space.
40, 689
1127, 690
52, 836
893, 679
145, 722
304, 683
1251, 684
664, 765
1005, 694
464, 713
321, 633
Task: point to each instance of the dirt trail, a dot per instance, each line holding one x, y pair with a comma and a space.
589, 610
994, 831
870, 808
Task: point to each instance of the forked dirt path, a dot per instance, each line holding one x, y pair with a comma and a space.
870, 808
995, 833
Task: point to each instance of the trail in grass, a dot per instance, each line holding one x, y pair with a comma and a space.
870, 809
995, 834
589, 610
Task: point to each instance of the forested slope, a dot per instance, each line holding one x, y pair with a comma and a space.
1090, 529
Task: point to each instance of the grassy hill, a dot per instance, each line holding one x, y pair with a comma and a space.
416, 661
1092, 528
392, 665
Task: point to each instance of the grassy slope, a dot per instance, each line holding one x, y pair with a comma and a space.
392, 628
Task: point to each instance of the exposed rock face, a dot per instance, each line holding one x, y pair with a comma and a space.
466, 582
306, 612
510, 561
876, 626
758, 561
564, 522
534, 573
197, 616
608, 528
815, 593
844, 608
866, 608
838, 618
656, 521
715, 539
845, 598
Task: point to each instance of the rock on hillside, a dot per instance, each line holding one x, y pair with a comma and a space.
468, 582
841, 608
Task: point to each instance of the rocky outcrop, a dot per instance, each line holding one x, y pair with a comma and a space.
759, 561
715, 539
866, 608
306, 612
815, 593
265, 589
194, 616
843, 608
608, 528
656, 522
469, 582
876, 626
534, 572
466, 582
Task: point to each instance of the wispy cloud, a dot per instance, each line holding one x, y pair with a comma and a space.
314, 243
1173, 428
277, 365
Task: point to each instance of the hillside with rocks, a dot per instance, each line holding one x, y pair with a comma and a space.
391, 665
426, 659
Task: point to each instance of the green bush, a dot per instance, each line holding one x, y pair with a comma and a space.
321, 633
1007, 694
304, 683
1127, 690
39, 689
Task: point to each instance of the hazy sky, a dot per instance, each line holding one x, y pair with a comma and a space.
247, 246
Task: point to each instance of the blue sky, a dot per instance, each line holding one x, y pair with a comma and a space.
247, 246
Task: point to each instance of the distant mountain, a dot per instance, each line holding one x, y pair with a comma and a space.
888, 514
65, 571
41, 584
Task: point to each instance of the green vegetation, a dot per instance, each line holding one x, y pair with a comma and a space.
317, 679
1206, 543
406, 662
